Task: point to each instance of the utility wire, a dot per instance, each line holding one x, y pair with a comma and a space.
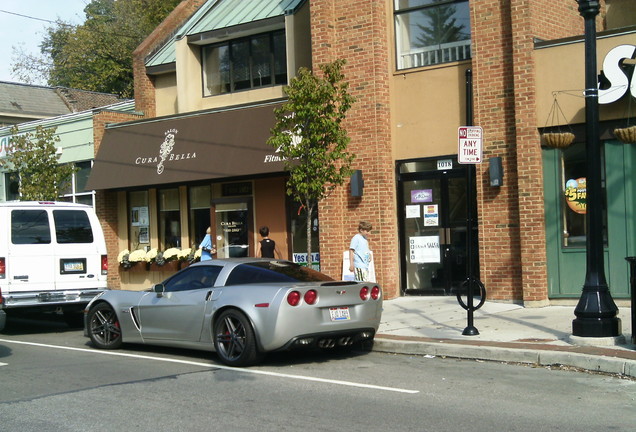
63, 24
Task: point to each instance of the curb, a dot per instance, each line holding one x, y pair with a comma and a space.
612, 365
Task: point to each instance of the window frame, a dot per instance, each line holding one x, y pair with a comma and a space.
231, 46
448, 54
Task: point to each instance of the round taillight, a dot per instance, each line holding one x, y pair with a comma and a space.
293, 298
364, 293
311, 296
375, 292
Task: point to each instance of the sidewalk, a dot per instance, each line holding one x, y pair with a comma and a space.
507, 332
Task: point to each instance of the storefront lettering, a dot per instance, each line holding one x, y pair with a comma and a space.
273, 158
616, 81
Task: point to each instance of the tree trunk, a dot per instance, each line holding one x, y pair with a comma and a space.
310, 211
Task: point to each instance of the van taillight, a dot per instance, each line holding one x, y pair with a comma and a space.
104, 264
3, 268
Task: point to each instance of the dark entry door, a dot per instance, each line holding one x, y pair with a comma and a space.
433, 231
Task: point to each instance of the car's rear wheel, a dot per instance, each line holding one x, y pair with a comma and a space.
234, 339
103, 327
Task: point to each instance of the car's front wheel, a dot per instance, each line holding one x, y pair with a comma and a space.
234, 339
103, 327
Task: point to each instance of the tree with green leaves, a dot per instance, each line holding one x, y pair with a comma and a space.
310, 138
33, 159
96, 55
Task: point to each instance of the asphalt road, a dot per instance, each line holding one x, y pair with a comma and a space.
51, 379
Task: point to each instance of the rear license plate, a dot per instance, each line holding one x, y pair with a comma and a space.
339, 313
73, 266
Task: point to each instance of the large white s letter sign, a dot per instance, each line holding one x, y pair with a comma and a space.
619, 81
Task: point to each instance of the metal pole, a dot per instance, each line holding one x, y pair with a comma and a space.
470, 329
596, 311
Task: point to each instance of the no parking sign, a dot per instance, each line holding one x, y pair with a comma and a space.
470, 145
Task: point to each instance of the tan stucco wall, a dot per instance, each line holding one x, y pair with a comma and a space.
561, 70
166, 94
427, 107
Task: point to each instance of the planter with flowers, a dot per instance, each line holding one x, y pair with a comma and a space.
166, 261
186, 257
134, 261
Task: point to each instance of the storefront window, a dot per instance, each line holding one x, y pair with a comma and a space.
574, 186
138, 220
199, 198
429, 32
11, 186
169, 219
75, 189
298, 217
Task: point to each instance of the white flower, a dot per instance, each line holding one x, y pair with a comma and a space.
151, 255
184, 254
138, 255
197, 254
122, 254
171, 253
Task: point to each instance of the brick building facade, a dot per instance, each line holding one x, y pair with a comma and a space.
403, 130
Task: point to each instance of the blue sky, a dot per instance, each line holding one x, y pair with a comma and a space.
18, 30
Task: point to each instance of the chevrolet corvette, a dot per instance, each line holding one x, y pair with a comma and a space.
240, 308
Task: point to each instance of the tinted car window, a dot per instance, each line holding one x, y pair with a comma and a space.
72, 226
192, 278
30, 227
273, 271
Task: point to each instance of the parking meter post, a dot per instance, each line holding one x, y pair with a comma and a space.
632, 288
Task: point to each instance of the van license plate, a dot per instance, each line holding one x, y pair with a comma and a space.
73, 266
339, 313
76, 265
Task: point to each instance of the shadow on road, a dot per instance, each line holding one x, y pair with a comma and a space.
22, 323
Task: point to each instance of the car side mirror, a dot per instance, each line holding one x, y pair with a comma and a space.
159, 289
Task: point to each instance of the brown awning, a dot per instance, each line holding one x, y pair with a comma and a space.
196, 147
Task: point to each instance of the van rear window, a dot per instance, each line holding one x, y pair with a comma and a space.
72, 226
30, 227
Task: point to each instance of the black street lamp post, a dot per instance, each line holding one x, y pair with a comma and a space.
596, 312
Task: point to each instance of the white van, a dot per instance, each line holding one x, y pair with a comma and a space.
52, 257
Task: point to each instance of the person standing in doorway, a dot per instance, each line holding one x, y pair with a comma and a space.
266, 248
359, 253
207, 249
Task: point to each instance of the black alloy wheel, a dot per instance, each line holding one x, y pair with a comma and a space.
103, 327
234, 339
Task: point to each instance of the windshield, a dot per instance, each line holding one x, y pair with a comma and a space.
274, 271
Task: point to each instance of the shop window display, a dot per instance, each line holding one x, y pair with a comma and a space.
574, 186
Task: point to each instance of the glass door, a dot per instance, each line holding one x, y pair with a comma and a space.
433, 232
232, 228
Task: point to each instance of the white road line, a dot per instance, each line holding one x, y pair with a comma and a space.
214, 366
4, 364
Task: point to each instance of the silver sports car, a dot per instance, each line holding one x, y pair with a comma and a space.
241, 308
